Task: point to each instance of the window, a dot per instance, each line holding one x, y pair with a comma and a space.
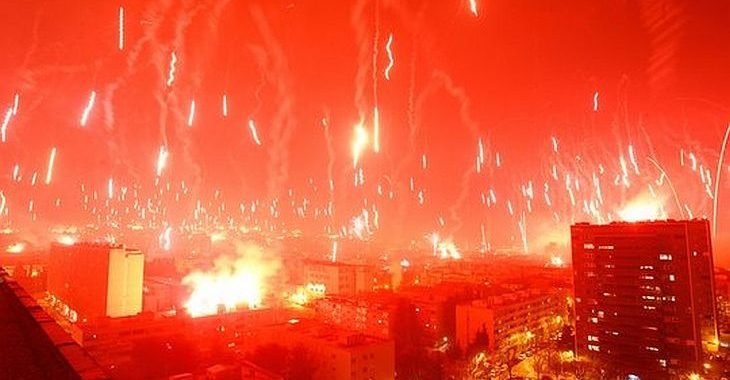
588, 246
646, 267
665, 257
600, 313
646, 277
651, 298
672, 278
592, 338
605, 247
663, 362
594, 347
594, 320
652, 348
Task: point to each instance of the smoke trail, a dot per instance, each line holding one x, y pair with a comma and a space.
283, 123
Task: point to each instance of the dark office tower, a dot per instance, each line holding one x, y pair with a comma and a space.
644, 296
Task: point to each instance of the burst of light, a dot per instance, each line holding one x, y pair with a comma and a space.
391, 59
254, 133
448, 250
642, 209
15, 248
88, 108
405, 263
121, 28
171, 71
556, 261
51, 161
233, 282
217, 236
66, 240
359, 142
473, 7
191, 113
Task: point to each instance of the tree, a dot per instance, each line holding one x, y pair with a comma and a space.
411, 357
480, 344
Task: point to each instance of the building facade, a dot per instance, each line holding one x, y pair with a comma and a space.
644, 295
88, 281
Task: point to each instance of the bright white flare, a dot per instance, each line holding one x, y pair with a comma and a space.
359, 142
645, 208
225, 105
391, 60
51, 161
88, 108
6, 121
233, 282
254, 133
191, 113
595, 101
121, 29
473, 7
161, 160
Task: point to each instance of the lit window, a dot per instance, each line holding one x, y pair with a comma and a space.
592, 338
663, 362
652, 298
646, 277
594, 320
588, 246
646, 267
594, 347
670, 298
600, 313
606, 247
665, 257
672, 278
652, 348
648, 307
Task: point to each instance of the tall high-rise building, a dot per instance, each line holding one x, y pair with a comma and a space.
89, 281
644, 295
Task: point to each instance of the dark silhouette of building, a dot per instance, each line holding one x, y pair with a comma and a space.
644, 296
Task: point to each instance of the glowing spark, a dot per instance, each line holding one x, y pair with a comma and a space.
161, 160
16, 172
87, 109
555, 144
171, 72
51, 160
595, 101
225, 105
121, 28
498, 160
376, 130
191, 114
717, 180
254, 134
2, 202
473, 7
16, 101
15, 248
694, 161
359, 142
6, 121
424, 162
389, 51
110, 188
33, 178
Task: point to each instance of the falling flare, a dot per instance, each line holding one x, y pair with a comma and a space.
376, 130
595, 101
191, 114
391, 60
473, 7
254, 134
6, 121
171, 72
121, 28
51, 161
359, 142
88, 108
